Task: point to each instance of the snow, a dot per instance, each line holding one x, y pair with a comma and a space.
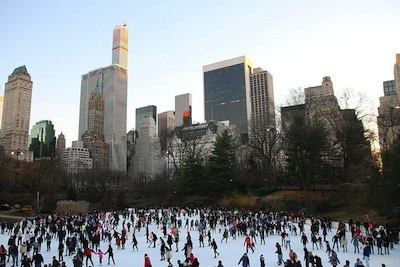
230, 252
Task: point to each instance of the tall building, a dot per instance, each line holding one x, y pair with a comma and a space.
1, 110
147, 160
60, 144
143, 112
166, 124
113, 83
227, 92
120, 46
93, 138
16, 113
389, 109
42, 140
262, 100
183, 110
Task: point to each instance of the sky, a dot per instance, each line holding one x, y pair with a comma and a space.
230, 251
298, 42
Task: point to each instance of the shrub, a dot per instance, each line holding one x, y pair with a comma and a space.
75, 207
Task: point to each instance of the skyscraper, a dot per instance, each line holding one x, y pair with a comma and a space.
42, 140
120, 46
183, 110
227, 92
60, 144
17, 112
113, 82
147, 159
262, 100
93, 138
143, 112
166, 124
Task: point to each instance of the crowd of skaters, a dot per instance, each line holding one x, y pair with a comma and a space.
78, 237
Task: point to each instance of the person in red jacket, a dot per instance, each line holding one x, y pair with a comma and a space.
88, 254
247, 243
147, 262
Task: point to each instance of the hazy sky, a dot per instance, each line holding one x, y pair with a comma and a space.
298, 42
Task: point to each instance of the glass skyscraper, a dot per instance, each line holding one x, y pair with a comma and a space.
227, 92
113, 82
42, 140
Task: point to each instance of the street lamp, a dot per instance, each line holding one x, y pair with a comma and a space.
17, 153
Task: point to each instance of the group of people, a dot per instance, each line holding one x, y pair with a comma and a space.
78, 237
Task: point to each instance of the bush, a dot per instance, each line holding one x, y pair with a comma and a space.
75, 207
240, 200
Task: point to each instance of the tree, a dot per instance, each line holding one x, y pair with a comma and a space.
306, 143
222, 162
266, 143
350, 139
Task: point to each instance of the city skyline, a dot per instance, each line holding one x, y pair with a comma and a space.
298, 43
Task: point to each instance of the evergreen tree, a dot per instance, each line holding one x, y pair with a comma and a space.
221, 165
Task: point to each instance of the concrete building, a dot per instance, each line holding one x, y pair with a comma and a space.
113, 83
147, 160
16, 113
262, 100
42, 140
143, 112
93, 138
76, 159
60, 144
227, 92
389, 109
183, 110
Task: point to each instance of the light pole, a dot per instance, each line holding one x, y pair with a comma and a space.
17, 153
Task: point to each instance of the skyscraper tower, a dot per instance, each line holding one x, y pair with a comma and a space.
262, 100
183, 110
60, 144
93, 138
227, 92
42, 140
17, 112
120, 46
113, 83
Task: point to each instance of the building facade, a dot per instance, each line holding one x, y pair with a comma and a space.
262, 100
60, 144
1, 110
143, 112
76, 159
16, 113
93, 138
183, 110
113, 83
166, 124
227, 92
147, 160
42, 140
120, 46
389, 109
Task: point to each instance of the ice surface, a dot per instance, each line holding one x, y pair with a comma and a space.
230, 252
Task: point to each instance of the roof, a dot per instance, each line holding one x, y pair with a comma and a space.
20, 70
